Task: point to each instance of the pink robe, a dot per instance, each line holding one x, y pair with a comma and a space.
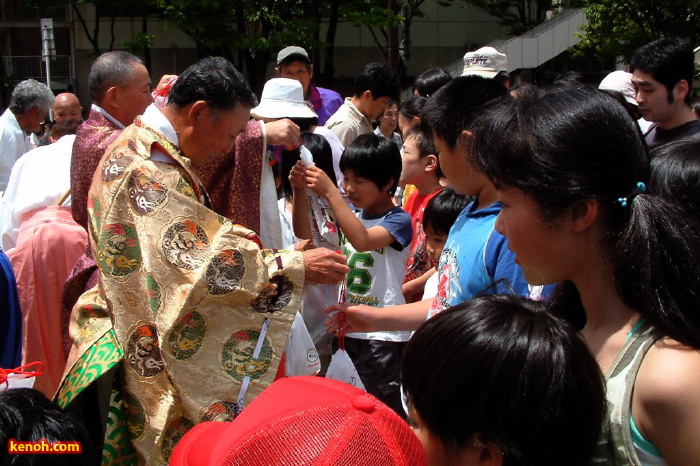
48, 245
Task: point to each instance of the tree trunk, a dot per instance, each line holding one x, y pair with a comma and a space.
146, 48
328, 68
392, 41
93, 38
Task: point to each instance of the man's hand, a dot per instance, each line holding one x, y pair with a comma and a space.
166, 80
283, 133
324, 266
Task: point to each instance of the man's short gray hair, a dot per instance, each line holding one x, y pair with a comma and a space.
28, 94
109, 70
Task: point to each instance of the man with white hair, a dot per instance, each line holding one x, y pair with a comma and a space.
29, 105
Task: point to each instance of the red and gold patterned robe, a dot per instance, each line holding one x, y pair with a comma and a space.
192, 312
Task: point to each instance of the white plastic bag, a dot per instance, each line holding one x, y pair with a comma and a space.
302, 357
21, 377
341, 368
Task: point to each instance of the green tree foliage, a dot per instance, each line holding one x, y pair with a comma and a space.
617, 27
247, 32
244, 31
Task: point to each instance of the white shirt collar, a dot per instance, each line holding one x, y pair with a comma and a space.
155, 119
12, 122
106, 114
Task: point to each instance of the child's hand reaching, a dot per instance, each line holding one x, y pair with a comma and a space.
297, 176
318, 181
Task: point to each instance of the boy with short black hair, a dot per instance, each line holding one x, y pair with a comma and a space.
375, 240
421, 168
372, 89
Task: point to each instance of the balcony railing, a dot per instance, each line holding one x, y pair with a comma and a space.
25, 67
19, 10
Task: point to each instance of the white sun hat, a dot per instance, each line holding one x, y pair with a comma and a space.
283, 98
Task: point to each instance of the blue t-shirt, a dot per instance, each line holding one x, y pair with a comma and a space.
476, 259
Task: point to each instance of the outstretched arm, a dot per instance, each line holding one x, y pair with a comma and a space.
361, 318
412, 287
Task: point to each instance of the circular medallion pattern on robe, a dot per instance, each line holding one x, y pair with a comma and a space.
143, 351
187, 335
275, 296
186, 245
134, 415
118, 253
121, 157
221, 411
173, 433
225, 272
237, 355
145, 194
91, 319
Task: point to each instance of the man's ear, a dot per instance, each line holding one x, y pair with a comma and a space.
311, 70
681, 89
278, 72
197, 112
111, 96
367, 95
583, 214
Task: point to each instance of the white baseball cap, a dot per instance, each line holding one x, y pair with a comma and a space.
620, 81
486, 62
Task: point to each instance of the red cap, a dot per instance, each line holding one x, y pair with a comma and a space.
305, 421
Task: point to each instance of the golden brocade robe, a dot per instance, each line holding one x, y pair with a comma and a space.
191, 310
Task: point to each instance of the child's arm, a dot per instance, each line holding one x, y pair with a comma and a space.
363, 318
416, 286
361, 238
300, 212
